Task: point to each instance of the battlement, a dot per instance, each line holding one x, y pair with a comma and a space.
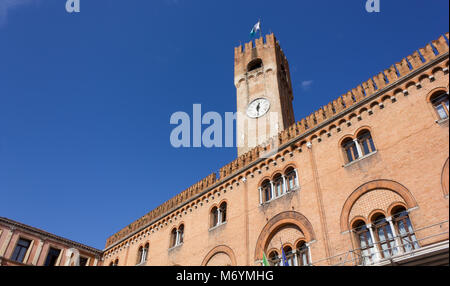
253, 49
344, 102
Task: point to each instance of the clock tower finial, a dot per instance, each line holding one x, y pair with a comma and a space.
264, 92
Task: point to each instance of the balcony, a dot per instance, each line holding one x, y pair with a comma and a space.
431, 248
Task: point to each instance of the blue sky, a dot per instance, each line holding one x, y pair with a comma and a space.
85, 99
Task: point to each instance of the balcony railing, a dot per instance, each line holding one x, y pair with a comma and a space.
403, 247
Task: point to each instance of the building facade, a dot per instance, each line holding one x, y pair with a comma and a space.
23, 245
363, 180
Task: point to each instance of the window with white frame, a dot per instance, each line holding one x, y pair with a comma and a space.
177, 236
218, 215
279, 186
142, 254
356, 148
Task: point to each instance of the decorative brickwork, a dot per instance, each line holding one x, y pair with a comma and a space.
219, 256
396, 97
372, 190
375, 199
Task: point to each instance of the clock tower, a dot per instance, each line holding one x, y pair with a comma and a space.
264, 92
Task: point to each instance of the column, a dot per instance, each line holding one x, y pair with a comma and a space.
374, 248
309, 252
398, 243
360, 154
27, 255
60, 257
296, 178
177, 237
272, 190
219, 219
294, 252
7, 241
260, 196
284, 184
38, 252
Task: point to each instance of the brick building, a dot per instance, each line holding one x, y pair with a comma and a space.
23, 245
361, 181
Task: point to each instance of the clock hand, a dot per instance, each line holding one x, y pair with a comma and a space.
257, 108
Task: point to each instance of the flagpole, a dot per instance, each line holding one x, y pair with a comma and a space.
260, 33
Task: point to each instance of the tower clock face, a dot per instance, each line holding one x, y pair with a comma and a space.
258, 108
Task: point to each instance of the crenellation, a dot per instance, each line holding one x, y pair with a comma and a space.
379, 80
368, 87
403, 67
328, 111
358, 93
427, 53
391, 74
441, 45
415, 60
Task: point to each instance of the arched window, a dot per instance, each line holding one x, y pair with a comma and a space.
266, 191
386, 242
181, 234
366, 142
142, 254
404, 229
173, 237
223, 212
214, 217
278, 185
362, 146
274, 258
303, 254
289, 255
218, 215
439, 101
254, 65
365, 242
291, 178
350, 150
115, 263
177, 236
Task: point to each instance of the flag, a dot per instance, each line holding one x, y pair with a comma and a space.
265, 262
283, 255
256, 28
